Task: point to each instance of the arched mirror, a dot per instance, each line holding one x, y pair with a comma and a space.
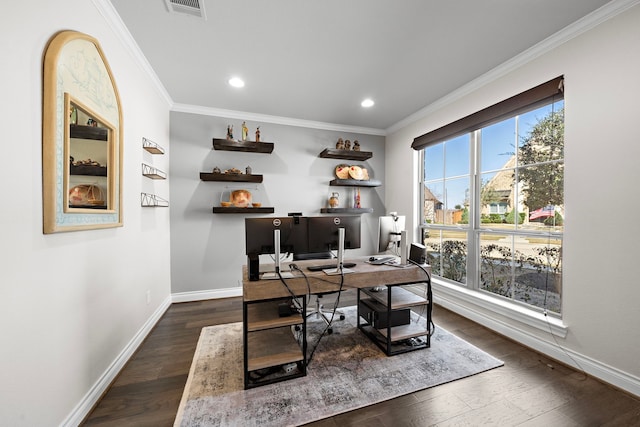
82, 137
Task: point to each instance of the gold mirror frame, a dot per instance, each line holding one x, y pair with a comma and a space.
77, 77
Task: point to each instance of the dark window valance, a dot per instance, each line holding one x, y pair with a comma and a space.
518, 104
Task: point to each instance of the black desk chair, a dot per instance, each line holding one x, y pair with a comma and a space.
318, 310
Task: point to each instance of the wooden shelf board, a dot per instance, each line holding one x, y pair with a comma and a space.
355, 183
88, 132
225, 177
262, 316
154, 150
272, 347
346, 210
244, 146
330, 153
154, 176
233, 210
400, 297
404, 332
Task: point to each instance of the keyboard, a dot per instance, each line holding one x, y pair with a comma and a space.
330, 266
380, 261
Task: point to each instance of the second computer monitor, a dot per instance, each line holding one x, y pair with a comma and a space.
389, 229
323, 232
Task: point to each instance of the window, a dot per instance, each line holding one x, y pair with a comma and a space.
493, 201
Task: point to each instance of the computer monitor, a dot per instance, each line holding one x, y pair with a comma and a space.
259, 235
323, 232
260, 238
389, 231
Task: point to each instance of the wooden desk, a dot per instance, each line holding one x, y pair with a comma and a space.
364, 275
268, 338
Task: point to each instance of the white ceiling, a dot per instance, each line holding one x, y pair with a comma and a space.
317, 60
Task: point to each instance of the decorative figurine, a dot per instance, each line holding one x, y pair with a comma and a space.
340, 144
248, 170
230, 132
258, 134
356, 201
356, 145
245, 131
334, 200
217, 170
347, 145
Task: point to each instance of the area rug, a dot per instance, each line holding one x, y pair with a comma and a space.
347, 371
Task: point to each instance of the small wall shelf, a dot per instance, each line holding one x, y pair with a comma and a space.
346, 210
153, 173
225, 177
244, 146
355, 183
152, 201
330, 153
233, 210
151, 146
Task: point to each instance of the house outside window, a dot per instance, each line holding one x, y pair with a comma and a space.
493, 207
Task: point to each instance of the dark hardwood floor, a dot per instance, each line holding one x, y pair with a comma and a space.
530, 390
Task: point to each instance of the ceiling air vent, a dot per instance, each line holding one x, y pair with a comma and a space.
187, 7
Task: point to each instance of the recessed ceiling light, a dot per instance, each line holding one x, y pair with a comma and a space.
367, 103
236, 82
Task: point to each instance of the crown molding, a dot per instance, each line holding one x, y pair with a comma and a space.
571, 31
112, 17
265, 118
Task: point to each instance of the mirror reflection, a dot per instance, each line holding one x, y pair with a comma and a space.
88, 150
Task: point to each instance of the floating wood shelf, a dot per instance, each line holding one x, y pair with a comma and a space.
346, 210
329, 153
88, 170
88, 132
355, 183
233, 210
244, 146
225, 177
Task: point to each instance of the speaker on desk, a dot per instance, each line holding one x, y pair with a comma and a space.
253, 262
418, 253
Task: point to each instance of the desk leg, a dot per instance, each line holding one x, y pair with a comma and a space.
245, 359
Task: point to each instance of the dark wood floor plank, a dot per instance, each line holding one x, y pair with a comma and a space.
530, 389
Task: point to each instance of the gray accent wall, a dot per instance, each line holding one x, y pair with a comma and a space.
208, 250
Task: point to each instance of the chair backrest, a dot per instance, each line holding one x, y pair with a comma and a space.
313, 255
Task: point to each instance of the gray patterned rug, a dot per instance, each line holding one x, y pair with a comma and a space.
347, 372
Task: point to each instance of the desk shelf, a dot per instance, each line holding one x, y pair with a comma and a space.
270, 343
386, 304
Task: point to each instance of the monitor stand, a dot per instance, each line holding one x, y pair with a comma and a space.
274, 275
404, 248
340, 265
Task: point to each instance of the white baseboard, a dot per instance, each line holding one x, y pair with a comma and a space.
595, 368
95, 393
204, 295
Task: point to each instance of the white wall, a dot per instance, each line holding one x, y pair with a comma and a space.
600, 294
71, 302
208, 250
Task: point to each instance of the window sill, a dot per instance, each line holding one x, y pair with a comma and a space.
478, 303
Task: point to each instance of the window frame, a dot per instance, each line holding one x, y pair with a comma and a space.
470, 291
